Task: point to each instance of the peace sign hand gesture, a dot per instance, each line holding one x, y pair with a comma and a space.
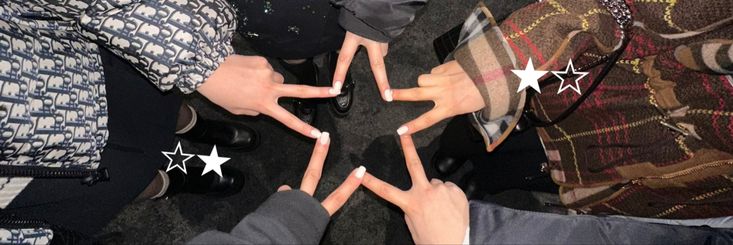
435, 212
312, 175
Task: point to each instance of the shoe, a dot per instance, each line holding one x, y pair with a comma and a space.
210, 184
446, 165
305, 110
307, 74
230, 135
341, 104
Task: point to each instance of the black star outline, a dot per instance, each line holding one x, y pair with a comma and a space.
178, 154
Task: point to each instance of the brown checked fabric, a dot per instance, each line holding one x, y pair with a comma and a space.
656, 138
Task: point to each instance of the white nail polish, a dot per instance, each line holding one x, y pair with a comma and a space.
334, 91
402, 130
325, 138
388, 95
360, 172
316, 133
338, 85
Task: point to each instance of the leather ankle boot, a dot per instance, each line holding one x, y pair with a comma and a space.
211, 184
446, 165
224, 134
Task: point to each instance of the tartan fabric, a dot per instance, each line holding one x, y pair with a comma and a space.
614, 154
487, 59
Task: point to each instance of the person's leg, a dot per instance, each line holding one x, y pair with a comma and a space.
141, 124
295, 32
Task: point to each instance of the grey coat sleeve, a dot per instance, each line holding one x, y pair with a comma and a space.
287, 217
378, 20
493, 224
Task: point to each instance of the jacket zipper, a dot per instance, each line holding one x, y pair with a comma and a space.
88, 177
687, 171
12, 222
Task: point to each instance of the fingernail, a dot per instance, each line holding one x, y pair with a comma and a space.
316, 133
388, 95
402, 130
334, 91
360, 172
324, 138
338, 85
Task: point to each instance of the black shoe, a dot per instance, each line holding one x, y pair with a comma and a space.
230, 135
307, 74
341, 104
446, 165
305, 110
211, 184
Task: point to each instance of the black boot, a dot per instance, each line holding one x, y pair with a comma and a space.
230, 135
341, 104
210, 184
307, 74
446, 165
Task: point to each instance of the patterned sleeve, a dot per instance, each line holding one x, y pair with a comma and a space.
173, 43
546, 32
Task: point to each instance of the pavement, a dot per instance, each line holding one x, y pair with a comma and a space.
365, 137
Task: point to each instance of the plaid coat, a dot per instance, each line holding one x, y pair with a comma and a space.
656, 137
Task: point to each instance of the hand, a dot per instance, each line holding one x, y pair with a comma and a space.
247, 85
449, 87
312, 175
376, 52
435, 212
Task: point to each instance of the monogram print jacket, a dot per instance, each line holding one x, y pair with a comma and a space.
52, 95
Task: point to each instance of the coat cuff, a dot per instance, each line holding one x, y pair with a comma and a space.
488, 59
295, 215
351, 23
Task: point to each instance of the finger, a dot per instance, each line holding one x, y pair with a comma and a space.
315, 167
424, 121
284, 188
292, 122
436, 181
414, 165
414, 94
278, 78
248, 112
303, 91
385, 190
376, 61
346, 55
385, 48
338, 197
427, 80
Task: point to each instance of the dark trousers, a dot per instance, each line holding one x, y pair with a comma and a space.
142, 123
289, 29
515, 164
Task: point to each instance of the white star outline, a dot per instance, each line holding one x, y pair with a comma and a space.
568, 68
529, 77
175, 152
213, 162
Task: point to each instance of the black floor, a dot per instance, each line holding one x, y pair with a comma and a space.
366, 137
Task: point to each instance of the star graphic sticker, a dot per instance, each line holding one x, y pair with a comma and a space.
178, 155
530, 77
213, 162
570, 71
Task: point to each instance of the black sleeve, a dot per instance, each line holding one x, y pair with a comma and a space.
493, 224
378, 20
287, 217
